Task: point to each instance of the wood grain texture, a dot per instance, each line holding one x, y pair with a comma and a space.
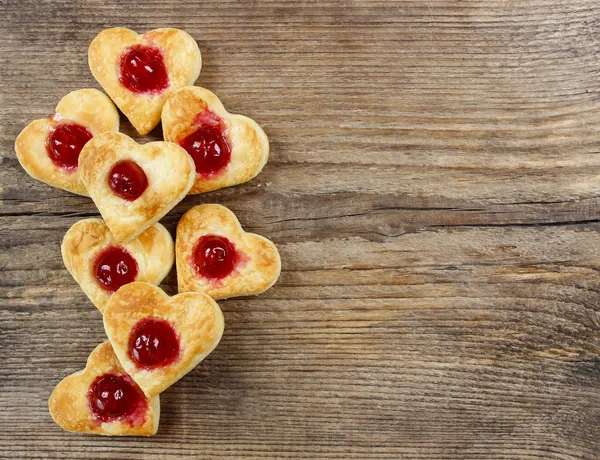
434, 192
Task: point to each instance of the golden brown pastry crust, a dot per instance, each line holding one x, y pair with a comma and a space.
182, 60
196, 318
69, 404
257, 272
249, 143
88, 107
152, 250
168, 167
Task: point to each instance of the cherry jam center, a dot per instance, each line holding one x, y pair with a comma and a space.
214, 256
113, 397
65, 142
128, 180
143, 70
208, 145
114, 268
153, 343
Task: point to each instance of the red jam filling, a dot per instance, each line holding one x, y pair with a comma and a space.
143, 70
65, 142
114, 397
215, 257
128, 180
153, 343
208, 145
114, 268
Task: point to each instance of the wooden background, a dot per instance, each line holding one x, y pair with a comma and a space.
433, 188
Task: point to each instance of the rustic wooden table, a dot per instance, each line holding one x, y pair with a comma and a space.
433, 188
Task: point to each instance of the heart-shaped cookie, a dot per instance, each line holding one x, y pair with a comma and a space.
101, 266
216, 257
227, 149
158, 339
134, 185
48, 149
103, 399
139, 72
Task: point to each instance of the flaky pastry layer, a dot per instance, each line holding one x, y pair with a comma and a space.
256, 271
249, 143
86, 239
182, 58
69, 403
168, 168
89, 108
196, 318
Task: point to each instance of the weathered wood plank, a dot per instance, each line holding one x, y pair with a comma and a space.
433, 190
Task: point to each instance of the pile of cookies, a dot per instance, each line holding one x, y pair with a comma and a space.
153, 339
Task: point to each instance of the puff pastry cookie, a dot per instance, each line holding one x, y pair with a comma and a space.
103, 399
227, 149
139, 72
101, 266
216, 257
134, 185
48, 149
158, 339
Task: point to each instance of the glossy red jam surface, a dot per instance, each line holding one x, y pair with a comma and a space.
215, 257
208, 144
128, 180
143, 70
153, 343
113, 397
114, 268
65, 142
